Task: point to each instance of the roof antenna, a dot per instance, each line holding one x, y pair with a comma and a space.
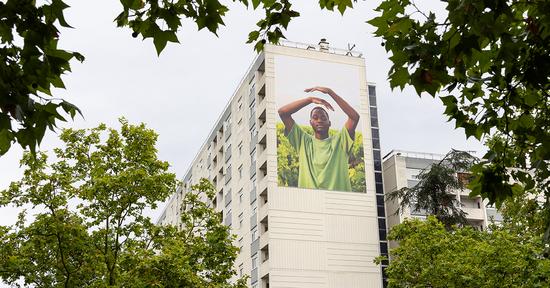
350, 49
323, 45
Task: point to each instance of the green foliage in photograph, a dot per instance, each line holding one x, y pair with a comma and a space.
429, 255
287, 160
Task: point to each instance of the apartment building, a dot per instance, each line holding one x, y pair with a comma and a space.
400, 169
294, 233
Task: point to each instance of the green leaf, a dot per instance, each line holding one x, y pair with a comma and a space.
54, 12
399, 78
527, 121
256, 3
6, 137
253, 36
163, 37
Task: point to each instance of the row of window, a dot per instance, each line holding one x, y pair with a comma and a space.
378, 180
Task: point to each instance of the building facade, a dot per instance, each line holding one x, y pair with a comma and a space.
400, 170
291, 235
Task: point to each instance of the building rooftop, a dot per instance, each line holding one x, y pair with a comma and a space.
413, 154
323, 46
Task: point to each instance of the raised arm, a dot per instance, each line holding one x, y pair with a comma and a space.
287, 110
353, 116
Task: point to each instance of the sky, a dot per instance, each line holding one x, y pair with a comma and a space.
181, 93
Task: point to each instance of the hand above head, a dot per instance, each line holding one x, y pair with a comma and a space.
320, 101
320, 89
353, 116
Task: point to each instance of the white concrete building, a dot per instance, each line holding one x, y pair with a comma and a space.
400, 170
291, 237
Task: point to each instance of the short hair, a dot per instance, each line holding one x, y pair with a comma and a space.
318, 108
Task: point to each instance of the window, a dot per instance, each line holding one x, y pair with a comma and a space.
241, 219
240, 121
240, 147
228, 153
253, 156
254, 234
255, 262
241, 197
227, 127
241, 171
241, 270
252, 108
253, 132
228, 174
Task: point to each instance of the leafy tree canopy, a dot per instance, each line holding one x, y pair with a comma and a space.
430, 256
489, 62
32, 63
88, 229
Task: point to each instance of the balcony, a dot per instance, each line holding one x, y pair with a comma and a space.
264, 268
262, 136
473, 213
263, 211
264, 239
262, 117
262, 162
261, 92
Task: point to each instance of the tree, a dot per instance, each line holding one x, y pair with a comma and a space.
31, 61
435, 192
430, 256
89, 230
29, 69
489, 63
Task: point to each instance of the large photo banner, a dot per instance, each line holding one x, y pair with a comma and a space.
319, 135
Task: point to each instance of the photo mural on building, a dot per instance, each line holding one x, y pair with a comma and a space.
319, 132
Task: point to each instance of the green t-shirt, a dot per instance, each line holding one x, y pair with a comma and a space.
323, 164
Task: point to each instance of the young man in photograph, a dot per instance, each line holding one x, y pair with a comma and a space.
323, 159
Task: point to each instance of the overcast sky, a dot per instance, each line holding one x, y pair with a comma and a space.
181, 93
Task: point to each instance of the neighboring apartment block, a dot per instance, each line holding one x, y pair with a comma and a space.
297, 224
400, 170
